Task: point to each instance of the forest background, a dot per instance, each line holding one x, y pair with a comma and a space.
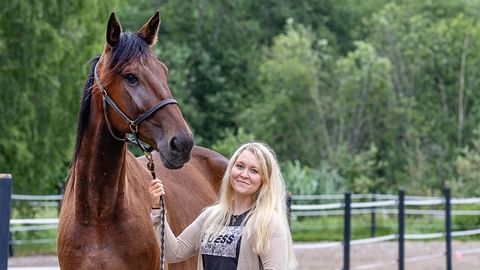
363, 96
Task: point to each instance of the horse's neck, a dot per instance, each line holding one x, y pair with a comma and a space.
99, 172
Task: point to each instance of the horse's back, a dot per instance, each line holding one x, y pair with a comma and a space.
190, 189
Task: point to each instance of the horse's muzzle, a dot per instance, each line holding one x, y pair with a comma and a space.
176, 151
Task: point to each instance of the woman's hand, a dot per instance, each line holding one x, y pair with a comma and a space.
156, 190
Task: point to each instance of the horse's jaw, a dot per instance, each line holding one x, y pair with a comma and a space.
171, 166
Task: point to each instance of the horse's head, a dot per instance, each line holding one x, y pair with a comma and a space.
137, 99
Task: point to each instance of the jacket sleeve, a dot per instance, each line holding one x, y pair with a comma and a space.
276, 257
184, 246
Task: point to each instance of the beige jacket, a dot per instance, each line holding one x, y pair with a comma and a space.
187, 244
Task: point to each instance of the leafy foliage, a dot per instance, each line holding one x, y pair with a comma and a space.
352, 95
288, 81
231, 141
45, 46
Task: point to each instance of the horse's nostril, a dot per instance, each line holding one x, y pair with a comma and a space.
174, 145
179, 151
181, 145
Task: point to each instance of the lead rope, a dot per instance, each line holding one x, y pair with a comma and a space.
147, 151
151, 167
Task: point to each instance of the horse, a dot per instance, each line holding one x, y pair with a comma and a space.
104, 220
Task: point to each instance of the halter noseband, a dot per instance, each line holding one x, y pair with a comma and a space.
132, 124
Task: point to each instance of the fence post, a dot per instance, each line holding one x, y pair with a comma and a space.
346, 230
10, 245
5, 204
373, 225
448, 228
401, 229
289, 208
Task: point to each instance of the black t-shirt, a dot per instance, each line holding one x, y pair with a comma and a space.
221, 253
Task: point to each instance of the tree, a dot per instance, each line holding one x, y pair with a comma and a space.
45, 48
466, 165
283, 113
434, 69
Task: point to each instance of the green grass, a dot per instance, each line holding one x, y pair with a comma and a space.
35, 249
330, 228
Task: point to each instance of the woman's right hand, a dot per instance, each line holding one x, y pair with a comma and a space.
156, 190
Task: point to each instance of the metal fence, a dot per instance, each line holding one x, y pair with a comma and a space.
387, 204
345, 205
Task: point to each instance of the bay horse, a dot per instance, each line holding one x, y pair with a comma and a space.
104, 220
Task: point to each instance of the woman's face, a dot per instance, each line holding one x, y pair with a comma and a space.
245, 176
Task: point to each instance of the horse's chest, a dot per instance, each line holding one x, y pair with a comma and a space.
115, 246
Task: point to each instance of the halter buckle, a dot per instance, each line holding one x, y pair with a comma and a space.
133, 127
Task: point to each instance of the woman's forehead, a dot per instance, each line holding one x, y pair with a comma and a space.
248, 156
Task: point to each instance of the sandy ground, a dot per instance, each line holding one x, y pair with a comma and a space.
383, 256
314, 256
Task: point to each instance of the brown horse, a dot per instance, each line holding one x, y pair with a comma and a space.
105, 217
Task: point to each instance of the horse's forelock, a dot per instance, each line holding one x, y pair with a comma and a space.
129, 48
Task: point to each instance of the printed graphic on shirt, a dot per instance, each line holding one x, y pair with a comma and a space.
225, 245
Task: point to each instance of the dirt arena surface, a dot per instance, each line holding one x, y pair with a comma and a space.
383, 256
314, 256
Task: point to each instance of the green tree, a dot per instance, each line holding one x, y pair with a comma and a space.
350, 93
287, 112
434, 71
231, 141
224, 41
466, 166
45, 48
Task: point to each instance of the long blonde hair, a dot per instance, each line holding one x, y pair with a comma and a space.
269, 203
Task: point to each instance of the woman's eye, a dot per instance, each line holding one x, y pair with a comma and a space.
130, 78
253, 171
239, 166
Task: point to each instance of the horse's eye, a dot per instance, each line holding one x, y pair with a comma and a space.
130, 78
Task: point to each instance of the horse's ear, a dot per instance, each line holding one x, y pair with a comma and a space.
114, 29
149, 31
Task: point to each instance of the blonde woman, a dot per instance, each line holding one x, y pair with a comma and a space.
247, 228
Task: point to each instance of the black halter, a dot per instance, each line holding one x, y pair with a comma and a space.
147, 149
133, 124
